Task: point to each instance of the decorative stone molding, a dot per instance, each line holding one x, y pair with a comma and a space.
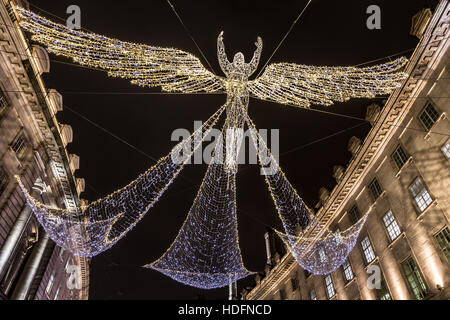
74, 162
56, 101
420, 22
324, 194
66, 134
373, 112
41, 59
354, 145
338, 173
81, 184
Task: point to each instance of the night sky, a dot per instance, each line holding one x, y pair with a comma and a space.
329, 33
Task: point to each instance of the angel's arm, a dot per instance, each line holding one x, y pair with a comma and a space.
256, 57
171, 69
225, 65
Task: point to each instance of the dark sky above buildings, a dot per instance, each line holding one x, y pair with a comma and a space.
329, 33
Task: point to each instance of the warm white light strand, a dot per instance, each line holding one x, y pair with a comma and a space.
98, 226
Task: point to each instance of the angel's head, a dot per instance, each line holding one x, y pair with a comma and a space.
239, 59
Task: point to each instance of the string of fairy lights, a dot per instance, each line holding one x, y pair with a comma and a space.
95, 228
321, 254
206, 252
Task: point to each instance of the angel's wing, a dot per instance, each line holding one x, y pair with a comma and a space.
171, 69
301, 85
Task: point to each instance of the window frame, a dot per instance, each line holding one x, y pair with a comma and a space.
446, 238
375, 182
397, 229
414, 197
313, 295
351, 214
21, 152
51, 282
445, 150
330, 285
372, 250
422, 112
384, 288
421, 282
4, 180
345, 267
4, 102
402, 155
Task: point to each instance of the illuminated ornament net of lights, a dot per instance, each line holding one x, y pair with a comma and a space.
314, 247
97, 227
206, 252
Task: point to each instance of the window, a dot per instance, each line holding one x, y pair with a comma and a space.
400, 157
322, 255
294, 284
19, 146
443, 238
3, 102
330, 287
392, 226
348, 271
446, 149
354, 214
282, 294
57, 293
429, 116
313, 295
369, 254
415, 279
50, 284
307, 274
3, 180
375, 189
420, 194
383, 292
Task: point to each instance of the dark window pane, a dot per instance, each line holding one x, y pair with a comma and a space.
429, 116
354, 214
375, 189
400, 157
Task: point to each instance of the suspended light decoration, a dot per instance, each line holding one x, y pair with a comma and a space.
206, 252
95, 228
315, 248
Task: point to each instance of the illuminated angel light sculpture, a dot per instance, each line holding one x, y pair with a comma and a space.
206, 252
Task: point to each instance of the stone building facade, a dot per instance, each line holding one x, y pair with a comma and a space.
400, 173
33, 146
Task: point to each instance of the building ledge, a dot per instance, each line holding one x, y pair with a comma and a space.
425, 212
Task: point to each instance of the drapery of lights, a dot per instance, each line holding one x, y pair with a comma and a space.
302, 85
97, 227
206, 252
314, 247
324, 254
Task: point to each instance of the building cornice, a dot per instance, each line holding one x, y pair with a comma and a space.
422, 63
16, 50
